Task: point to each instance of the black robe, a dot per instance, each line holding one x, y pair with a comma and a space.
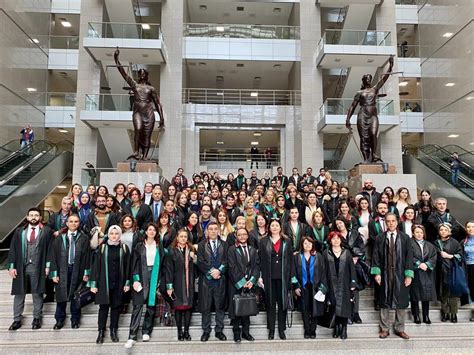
241, 271
59, 257
443, 266
404, 268
296, 235
340, 284
55, 222
16, 260
318, 283
423, 287
354, 243
139, 272
168, 238
143, 216
299, 204
204, 265
435, 219
175, 277
254, 238
320, 236
265, 255
100, 276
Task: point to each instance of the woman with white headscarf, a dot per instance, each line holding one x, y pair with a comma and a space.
110, 279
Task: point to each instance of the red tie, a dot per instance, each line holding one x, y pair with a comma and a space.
32, 235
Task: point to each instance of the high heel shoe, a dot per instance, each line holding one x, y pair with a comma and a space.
271, 334
426, 320
100, 337
186, 335
344, 332
336, 332
454, 318
114, 335
180, 335
416, 319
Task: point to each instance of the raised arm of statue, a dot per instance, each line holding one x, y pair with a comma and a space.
385, 77
122, 72
159, 108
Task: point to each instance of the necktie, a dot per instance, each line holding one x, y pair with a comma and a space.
246, 253
391, 263
156, 212
33, 235
72, 249
214, 247
382, 224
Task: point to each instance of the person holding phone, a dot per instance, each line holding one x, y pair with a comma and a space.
179, 278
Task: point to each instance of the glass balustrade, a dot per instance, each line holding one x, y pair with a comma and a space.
241, 31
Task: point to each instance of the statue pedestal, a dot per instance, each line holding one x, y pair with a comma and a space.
140, 167
375, 173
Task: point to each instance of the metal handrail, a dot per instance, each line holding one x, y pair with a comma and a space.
445, 151
340, 34
241, 31
23, 167
106, 29
20, 151
64, 42
342, 106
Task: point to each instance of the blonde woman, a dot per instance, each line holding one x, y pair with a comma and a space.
402, 200
225, 228
267, 205
249, 213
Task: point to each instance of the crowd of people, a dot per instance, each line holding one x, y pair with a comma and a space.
301, 241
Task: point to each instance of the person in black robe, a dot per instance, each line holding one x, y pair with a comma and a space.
439, 216
69, 257
295, 230
294, 201
276, 265
243, 273
392, 265
179, 278
147, 271
100, 219
448, 249
309, 279
139, 210
29, 271
319, 231
341, 282
423, 287
212, 265
110, 280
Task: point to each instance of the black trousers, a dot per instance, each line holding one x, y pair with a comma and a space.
415, 308
214, 296
114, 311
277, 293
148, 322
60, 313
183, 318
243, 322
340, 320
309, 322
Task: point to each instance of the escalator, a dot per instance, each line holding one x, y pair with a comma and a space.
27, 177
433, 172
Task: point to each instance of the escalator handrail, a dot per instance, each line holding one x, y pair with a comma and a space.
26, 165
22, 151
439, 148
459, 149
446, 167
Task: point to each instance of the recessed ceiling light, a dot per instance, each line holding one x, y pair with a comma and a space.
253, 143
277, 10
370, 60
257, 134
472, 143
66, 23
220, 28
202, 64
202, 7
469, 98
257, 78
144, 55
108, 54
240, 8
31, 89
35, 40
403, 83
337, 60
453, 136
240, 65
145, 26
61, 187
63, 131
254, 94
220, 142
447, 34
219, 78
220, 93
449, 84
276, 66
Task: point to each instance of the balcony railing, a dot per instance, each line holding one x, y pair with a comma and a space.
241, 97
108, 102
341, 107
61, 99
236, 158
406, 2
241, 31
356, 38
124, 30
411, 106
64, 42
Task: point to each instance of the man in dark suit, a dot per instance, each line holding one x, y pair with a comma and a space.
147, 193
308, 177
280, 177
156, 204
295, 179
321, 179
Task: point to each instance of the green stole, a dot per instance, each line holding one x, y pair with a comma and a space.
154, 278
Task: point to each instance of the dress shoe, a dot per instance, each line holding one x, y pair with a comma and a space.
221, 336
271, 334
377, 307
336, 331
237, 338
454, 318
180, 335
356, 318
36, 324
248, 337
186, 335
312, 335
205, 337
100, 337
59, 324
402, 335
426, 320
383, 334
344, 332
114, 335
15, 325
282, 334
306, 334
75, 325
416, 319
444, 317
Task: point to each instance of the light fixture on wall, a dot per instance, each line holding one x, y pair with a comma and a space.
453, 136
254, 94
257, 134
31, 89
220, 28
63, 130
145, 26
449, 85
447, 34
65, 23
253, 143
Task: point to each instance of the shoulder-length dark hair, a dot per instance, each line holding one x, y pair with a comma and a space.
306, 238
189, 245
134, 222
157, 236
343, 220
159, 225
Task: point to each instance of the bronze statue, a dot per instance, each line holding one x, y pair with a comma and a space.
367, 118
145, 100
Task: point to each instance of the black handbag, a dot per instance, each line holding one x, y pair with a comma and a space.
328, 319
245, 304
457, 280
290, 307
83, 296
363, 274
